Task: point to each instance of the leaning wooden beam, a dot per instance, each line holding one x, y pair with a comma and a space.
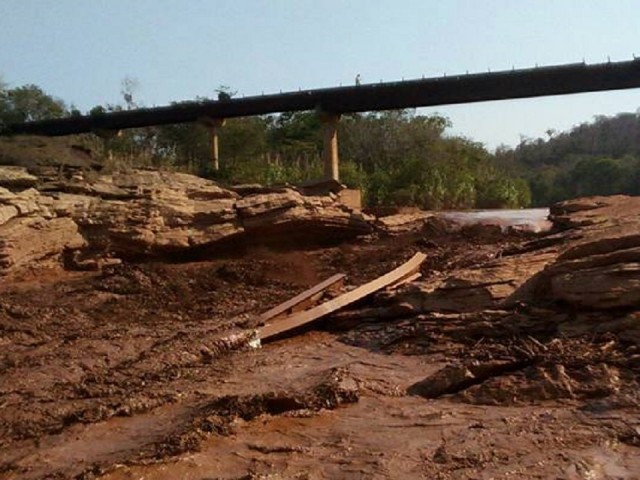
306, 317
304, 299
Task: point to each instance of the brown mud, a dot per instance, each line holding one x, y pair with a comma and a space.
111, 375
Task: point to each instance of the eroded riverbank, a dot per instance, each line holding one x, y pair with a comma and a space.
516, 354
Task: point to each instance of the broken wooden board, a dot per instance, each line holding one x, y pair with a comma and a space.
304, 299
412, 277
306, 317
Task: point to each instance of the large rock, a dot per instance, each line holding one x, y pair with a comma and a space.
300, 215
13, 177
403, 222
615, 285
159, 216
147, 212
27, 240
590, 261
600, 267
496, 284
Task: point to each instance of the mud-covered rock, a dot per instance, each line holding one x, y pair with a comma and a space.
152, 213
29, 240
403, 222
608, 286
549, 382
495, 284
291, 213
599, 266
590, 261
458, 377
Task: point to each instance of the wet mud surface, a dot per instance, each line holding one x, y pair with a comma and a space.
115, 375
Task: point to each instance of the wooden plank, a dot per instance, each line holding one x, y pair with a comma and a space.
304, 299
403, 281
306, 317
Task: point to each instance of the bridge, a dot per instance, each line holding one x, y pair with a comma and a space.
331, 103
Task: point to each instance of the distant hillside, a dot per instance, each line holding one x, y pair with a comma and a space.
601, 157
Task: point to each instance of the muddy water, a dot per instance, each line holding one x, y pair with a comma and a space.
533, 219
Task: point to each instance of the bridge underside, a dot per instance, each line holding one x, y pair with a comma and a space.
331, 102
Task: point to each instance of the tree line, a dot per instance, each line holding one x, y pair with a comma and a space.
601, 157
396, 158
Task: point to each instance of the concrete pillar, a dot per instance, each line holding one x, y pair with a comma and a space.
215, 152
330, 145
215, 124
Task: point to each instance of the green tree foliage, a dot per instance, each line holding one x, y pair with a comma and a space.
601, 157
396, 158
408, 160
28, 103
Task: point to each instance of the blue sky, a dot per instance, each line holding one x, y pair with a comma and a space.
80, 50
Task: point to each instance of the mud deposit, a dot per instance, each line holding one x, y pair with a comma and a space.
114, 374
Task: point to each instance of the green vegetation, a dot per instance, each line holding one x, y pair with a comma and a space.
597, 158
396, 158
28, 103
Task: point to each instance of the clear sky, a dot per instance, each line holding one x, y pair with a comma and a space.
80, 50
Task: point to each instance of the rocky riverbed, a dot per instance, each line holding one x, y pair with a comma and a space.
516, 354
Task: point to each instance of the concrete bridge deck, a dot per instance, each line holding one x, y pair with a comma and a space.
479, 87
330, 103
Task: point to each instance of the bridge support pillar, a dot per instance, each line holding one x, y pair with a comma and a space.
330, 145
214, 125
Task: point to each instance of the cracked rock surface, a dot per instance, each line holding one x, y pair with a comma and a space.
148, 213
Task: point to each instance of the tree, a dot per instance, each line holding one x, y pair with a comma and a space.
395, 157
128, 87
224, 93
4, 104
29, 103
594, 158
